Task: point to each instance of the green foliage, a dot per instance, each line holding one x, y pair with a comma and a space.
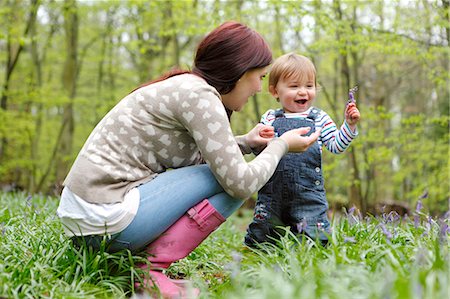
38, 261
381, 257
406, 159
397, 52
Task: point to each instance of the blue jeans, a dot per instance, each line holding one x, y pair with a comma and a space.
164, 200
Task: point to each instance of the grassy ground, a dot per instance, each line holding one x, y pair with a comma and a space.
384, 257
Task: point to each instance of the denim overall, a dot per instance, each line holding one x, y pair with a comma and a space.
295, 195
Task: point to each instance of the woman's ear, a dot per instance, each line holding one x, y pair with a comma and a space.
273, 91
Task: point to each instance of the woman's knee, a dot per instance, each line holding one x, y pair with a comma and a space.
225, 204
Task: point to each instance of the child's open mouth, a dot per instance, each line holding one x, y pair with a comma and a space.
301, 102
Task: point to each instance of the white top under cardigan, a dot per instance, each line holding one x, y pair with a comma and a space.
81, 218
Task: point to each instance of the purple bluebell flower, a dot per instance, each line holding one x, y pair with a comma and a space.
444, 230
405, 217
416, 221
393, 217
424, 194
386, 232
28, 199
277, 268
351, 210
353, 217
418, 289
428, 224
349, 240
446, 215
235, 265
237, 257
419, 206
351, 94
421, 256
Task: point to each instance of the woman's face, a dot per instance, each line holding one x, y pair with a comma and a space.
249, 84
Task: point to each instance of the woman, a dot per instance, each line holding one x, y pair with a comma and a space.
162, 169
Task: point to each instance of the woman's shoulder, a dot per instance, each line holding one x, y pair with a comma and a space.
188, 81
183, 82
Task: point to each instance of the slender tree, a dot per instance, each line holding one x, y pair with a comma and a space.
14, 47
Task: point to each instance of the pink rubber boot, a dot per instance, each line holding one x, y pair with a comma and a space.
176, 243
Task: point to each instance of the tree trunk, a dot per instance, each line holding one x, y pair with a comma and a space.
14, 49
69, 82
355, 192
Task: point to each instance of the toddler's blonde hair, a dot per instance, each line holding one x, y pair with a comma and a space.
292, 65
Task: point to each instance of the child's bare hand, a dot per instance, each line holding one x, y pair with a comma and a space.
259, 136
267, 132
352, 115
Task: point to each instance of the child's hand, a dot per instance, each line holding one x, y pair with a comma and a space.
267, 132
352, 115
259, 136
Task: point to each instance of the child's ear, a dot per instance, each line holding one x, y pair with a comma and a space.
273, 91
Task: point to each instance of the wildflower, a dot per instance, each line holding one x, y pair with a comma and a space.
393, 217
351, 210
446, 215
349, 240
237, 257
418, 289
386, 232
416, 221
277, 268
235, 265
351, 217
429, 223
351, 94
28, 199
444, 230
424, 194
421, 256
419, 206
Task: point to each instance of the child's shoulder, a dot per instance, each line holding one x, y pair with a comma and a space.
268, 116
318, 111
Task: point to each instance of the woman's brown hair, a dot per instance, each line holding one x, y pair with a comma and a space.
228, 52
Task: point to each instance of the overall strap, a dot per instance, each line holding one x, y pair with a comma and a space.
314, 113
279, 113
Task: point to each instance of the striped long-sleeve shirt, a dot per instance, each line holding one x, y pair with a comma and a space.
336, 141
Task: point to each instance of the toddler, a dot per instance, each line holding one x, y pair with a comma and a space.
295, 195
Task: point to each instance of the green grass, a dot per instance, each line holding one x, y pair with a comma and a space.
384, 257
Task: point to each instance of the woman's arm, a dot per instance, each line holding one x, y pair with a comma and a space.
208, 123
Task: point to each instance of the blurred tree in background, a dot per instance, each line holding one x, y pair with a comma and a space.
64, 64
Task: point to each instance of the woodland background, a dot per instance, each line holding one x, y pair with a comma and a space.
64, 64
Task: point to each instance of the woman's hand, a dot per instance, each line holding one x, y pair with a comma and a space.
259, 136
298, 143
352, 115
